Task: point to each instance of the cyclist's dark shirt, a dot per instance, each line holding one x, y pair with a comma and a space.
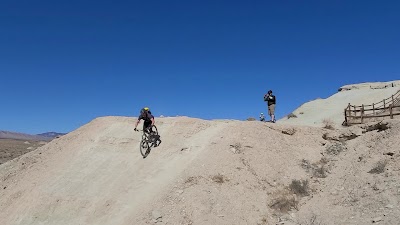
146, 117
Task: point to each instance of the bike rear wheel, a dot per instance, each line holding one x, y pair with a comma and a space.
153, 130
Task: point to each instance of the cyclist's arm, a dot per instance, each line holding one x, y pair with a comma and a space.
138, 121
153, 121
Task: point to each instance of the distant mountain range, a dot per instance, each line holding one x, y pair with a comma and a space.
21, 136
51, 134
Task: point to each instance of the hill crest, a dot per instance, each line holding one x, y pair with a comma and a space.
204, 172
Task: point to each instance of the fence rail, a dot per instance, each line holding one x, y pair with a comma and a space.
389, 107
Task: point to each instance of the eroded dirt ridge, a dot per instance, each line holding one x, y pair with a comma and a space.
207, 172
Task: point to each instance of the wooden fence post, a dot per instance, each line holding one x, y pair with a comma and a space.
391, 111
373, 108
349, 109
362, 113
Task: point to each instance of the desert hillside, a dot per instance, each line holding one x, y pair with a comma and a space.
314, 113
207, 172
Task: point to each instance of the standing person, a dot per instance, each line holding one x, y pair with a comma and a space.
148, 119
271, 101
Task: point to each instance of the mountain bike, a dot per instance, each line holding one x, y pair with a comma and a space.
150, 139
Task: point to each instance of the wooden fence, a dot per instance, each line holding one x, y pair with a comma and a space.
387, 108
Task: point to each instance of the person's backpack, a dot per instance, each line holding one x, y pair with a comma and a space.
265, 97
145, 113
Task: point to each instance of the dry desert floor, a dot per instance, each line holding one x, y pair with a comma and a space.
11, 148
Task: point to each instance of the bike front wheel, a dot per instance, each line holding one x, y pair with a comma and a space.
144, 148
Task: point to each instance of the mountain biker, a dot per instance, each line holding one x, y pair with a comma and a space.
145, 115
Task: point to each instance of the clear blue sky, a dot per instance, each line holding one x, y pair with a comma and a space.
64, 63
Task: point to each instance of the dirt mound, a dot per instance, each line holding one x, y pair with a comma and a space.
330, 111
206, 172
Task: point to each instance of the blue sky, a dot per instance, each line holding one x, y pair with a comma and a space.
64, 63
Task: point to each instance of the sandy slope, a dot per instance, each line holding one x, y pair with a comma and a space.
314, 112
204, 172
95, 175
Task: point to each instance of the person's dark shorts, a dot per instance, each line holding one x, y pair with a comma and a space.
271, 109
146, 124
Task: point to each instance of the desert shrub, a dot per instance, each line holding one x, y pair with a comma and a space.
193, 180
379, 167
284, 202
291, 115
219, 179
335, 148
323, 161
320, 172
299, 187
305, 164
320, 169
328, 124
251, 119
236, 148
286, 199
316, 169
